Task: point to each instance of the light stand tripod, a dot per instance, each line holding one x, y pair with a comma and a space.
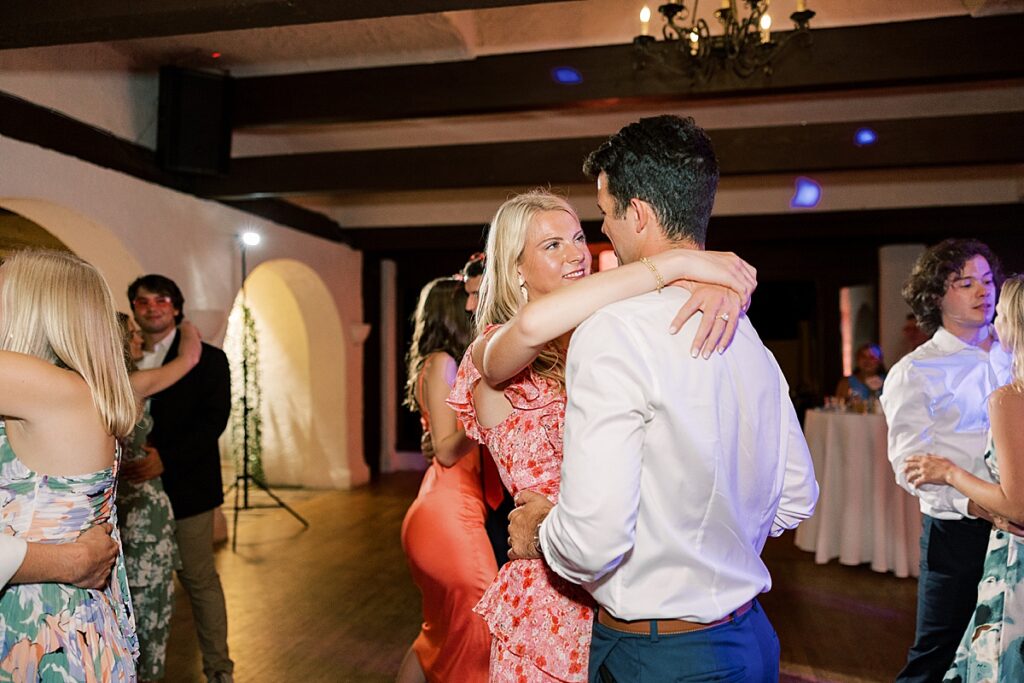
241, 483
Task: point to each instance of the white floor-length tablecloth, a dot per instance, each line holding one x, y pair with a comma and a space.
862, 514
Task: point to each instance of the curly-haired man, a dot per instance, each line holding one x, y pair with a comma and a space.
935, 402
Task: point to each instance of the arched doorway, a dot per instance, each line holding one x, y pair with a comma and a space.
71, 231
301, 355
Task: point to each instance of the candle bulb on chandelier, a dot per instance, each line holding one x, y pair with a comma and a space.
645, 20
801, 5
766, 26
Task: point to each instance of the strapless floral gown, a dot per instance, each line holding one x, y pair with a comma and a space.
992, 648
146, 522
51, 631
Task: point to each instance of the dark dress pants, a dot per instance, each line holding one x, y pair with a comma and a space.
496, 524
745, 650
952, 559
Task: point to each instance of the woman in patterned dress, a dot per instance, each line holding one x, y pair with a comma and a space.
992, 648
65, 399
510, 396
144, 513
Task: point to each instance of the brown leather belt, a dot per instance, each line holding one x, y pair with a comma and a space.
665, 626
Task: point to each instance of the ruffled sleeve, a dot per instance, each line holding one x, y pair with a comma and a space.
531, 392
461, 397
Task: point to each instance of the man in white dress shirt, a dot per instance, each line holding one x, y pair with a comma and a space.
676, 469
936, 401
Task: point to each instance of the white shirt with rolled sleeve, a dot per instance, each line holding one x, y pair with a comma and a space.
676, 469
936, 401
12, 554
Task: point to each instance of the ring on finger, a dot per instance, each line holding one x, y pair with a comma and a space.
724, 317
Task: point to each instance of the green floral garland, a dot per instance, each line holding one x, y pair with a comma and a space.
250, 361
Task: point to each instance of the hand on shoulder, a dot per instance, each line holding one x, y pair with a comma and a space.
191, 344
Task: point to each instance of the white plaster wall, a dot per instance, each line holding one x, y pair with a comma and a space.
895, 262
127, 227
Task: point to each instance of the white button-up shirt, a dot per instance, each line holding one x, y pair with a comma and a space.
155, 357
676, 469
936, 401
12, 554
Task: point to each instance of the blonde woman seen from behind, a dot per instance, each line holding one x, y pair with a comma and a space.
65, 399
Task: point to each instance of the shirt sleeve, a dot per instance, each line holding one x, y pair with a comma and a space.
906, 404
12, 554
799, 487
593, 526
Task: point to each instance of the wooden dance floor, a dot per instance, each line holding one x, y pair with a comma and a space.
336, 604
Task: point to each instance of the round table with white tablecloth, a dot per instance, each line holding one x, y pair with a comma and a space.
862, 514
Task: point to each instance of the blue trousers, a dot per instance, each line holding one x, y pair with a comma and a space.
952, 560
745, 649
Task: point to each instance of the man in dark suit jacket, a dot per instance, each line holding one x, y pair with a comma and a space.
188, 419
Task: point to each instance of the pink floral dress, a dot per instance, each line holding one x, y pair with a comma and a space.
540, 623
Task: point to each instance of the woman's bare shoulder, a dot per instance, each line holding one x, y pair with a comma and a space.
1007, 399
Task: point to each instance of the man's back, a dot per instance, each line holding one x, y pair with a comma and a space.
707, 456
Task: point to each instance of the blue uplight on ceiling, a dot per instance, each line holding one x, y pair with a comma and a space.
865, 136
806, 194
566, 75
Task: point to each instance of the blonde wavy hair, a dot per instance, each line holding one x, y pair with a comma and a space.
57, 307
501, 291
1011, 300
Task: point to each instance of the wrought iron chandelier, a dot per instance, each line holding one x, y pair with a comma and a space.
745, 46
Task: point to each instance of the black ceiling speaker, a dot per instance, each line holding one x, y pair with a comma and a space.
194, 121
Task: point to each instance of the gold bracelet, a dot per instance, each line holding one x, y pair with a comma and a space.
654, 271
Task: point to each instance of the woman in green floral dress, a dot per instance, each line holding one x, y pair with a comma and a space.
144, 510
65, 399
992, 648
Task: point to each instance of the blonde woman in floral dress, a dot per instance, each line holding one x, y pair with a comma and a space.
144, 513
510, 396
65, 399
992, 648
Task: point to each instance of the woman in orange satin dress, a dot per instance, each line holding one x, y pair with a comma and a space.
443, 533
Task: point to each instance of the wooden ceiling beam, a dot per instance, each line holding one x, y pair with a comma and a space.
31, 123
954, 49
833, 228
31, 23
901, 143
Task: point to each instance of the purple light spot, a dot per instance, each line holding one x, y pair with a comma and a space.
566, 75
865, 136
806, 194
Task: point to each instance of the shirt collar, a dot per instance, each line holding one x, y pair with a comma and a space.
946, 341
165, 343
155, 357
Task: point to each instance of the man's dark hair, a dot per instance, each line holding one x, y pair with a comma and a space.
931, 275
668, 162
163, 286
474, 266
